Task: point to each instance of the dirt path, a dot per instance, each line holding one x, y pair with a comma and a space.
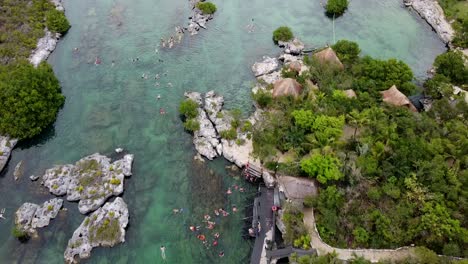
374, 255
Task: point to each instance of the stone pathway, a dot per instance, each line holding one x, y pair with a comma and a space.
374, 255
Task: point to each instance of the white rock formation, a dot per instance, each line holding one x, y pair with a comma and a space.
6, 146
45, 46
268, 65
91, 181
294, 46
105, 227
31, 216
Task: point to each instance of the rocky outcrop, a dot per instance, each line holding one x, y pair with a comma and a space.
206, 139
31, 216
197, 20
45, 46
431, 11
105, 227
91, 181
6, 146
294, 46
268, 65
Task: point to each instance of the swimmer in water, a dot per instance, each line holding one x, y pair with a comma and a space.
163, 252
229, 191
158, 97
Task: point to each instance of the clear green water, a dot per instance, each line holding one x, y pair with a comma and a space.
107, 107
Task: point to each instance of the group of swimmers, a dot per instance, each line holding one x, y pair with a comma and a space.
173, 39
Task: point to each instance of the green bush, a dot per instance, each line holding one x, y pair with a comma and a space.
188, 108
207, 7
451, 65
336, 7
347, 51
114, 181
322, 167
263, 99
282, 34
56, 21
18, 233
229, 134
246, 127
30, 99
302, 242
192, 125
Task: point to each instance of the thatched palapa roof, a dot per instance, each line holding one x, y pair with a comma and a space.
394, 97
329, 56
287, 86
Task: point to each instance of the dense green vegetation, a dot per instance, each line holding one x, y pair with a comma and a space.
56, 21
452, 66
421, 256
206, 7
336, 7
457, 11
22, 23
30, 99
347, 51
189, 111
30, 96
282, 34
388, 177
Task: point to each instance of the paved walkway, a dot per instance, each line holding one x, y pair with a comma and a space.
265, 217
374, 255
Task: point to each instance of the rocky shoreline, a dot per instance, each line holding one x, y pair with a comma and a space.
431, 11
6, 146
46, 44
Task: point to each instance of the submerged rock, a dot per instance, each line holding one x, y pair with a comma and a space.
91, 181
105, 227
31, 216
6, 146
268, 65
19, 170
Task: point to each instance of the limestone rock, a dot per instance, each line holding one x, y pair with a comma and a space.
34, 177
268, 65
431, 11
206, 138
58, 5
91, 181
105, 227
286, 58
194, 96
294, 46
45, 46
197, 20
6, 146
237, 154
270, 78
269, 180
31, 216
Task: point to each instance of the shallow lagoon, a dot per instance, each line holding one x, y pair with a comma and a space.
110, 106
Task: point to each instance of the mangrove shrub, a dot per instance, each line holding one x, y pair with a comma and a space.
56, 21
30, 97
207, 8
336, 7
451, 65
282, 34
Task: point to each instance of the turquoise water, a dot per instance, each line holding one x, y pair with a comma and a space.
112, 106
